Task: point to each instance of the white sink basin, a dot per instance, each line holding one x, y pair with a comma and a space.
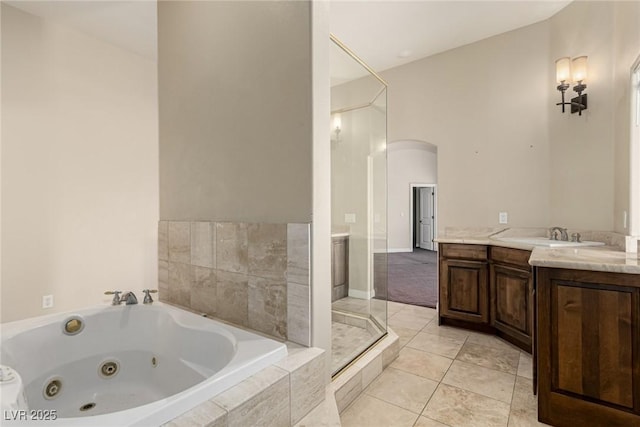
545, 242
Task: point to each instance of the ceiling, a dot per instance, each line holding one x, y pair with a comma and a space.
384, 33
389, 33
130, 24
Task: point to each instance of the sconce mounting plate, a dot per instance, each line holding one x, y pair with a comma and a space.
576, 100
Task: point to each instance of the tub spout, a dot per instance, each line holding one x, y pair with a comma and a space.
129, 298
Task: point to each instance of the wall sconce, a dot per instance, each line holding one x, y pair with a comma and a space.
336, 127
576, 70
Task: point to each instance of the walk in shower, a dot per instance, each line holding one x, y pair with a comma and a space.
359, 206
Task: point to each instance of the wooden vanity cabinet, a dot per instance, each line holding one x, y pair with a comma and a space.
511, 287
464, 284
588, 348
490, 289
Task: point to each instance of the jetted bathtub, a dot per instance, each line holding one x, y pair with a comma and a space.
136, 365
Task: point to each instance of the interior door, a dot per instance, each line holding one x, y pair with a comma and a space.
426, 218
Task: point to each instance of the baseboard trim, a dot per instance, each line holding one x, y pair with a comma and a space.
355, 293
399, 250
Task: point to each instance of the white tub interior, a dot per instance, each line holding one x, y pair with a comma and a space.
159, 362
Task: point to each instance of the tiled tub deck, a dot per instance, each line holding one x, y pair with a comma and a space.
280, 395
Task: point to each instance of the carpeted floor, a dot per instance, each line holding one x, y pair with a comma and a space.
413, 277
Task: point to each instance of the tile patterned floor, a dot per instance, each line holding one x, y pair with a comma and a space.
446, 377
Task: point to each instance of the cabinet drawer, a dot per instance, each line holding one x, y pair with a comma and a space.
516, 257
460, 251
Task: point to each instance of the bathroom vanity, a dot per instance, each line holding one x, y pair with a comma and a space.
576, 309
487, 288
588, 347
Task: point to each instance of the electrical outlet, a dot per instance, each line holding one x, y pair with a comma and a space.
47, 301
503, 218
624, 219
350, 218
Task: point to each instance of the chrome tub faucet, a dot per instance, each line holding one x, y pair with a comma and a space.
128, 298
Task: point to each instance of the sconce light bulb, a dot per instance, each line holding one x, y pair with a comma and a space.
563, 69
579, 69
337, 122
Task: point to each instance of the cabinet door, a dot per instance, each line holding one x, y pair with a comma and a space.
464, 293
512, 303
339, 253
339, 268
588, 348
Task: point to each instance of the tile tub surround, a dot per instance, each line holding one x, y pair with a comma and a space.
255, 275
280, 395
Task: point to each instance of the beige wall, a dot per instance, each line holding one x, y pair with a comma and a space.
484, 106
409, 162
582, 148
503, 144
79, 167
358, 167
590, 154
235, 111
239, 125
626, 38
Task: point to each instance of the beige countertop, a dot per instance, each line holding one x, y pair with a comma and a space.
339, 235
603, 258
609, 258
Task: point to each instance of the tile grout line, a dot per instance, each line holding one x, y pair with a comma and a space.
464, 342
512, 395
384, 401
439, 383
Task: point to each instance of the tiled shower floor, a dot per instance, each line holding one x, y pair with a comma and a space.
347, 341
446, 377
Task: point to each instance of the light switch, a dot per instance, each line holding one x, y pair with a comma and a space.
350, 218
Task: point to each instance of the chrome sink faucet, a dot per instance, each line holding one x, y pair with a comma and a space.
553, 234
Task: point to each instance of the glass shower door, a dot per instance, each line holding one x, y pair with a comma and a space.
359, 206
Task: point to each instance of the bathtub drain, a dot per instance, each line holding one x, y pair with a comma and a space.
52, 388
87, 406
109, 369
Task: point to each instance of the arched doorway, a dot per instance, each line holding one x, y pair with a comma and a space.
412, 222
